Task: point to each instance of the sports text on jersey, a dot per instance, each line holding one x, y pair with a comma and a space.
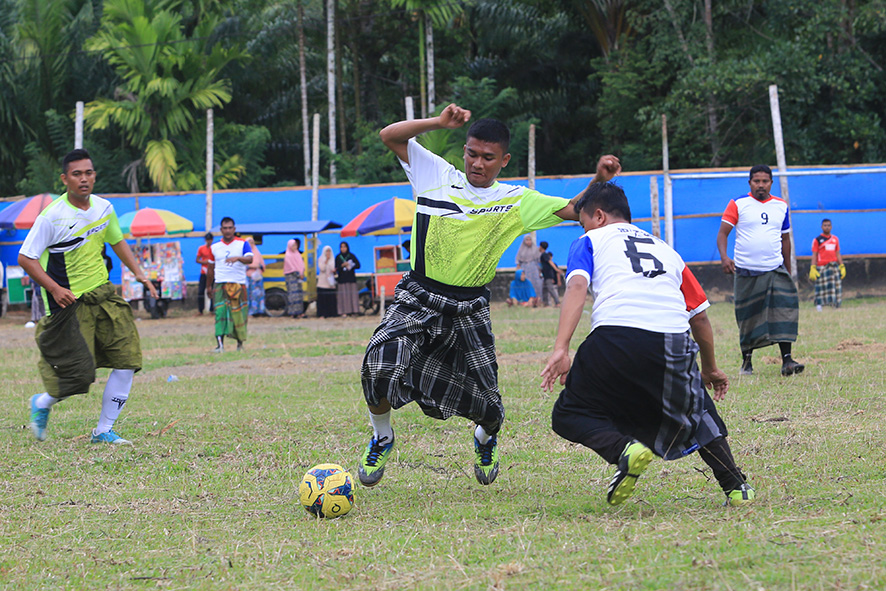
493, 209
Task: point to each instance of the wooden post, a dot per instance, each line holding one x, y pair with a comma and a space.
668, 186
782, 167
210, 165
653, 201
315, 170
78, 127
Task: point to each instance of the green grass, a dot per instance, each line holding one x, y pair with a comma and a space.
207, 498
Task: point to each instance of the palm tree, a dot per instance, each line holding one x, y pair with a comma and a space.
428, 13
168, 79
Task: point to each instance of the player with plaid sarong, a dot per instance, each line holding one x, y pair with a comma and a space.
435, 343
827, 269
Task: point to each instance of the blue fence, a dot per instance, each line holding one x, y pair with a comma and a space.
856, 202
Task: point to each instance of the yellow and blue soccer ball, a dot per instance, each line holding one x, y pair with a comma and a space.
327, 491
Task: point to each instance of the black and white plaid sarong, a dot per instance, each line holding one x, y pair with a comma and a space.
438, 351
829, 286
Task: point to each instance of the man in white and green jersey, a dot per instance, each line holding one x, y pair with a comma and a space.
87, 325
435, 344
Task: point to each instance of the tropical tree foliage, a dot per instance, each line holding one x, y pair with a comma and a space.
593, 75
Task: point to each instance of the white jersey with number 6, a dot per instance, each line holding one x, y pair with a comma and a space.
637, 280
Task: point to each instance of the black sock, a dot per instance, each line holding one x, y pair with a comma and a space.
785, 351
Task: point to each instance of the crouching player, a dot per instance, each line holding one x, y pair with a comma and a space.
635, 389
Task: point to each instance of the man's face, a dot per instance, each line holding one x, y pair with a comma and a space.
227, 230
79, 178
760, 184
483, 162
826, 228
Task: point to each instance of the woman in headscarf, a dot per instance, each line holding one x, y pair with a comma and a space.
346, 265
255, 282
529, 261
327, 305
294, 271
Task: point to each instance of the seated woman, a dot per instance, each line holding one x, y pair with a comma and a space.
522, 292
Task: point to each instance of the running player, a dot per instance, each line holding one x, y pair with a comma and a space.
435, 344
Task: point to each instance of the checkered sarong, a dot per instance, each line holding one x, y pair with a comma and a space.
438, 351
829, 286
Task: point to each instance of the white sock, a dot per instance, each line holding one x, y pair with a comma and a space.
381, 425
482, 436
45, 401
115, 396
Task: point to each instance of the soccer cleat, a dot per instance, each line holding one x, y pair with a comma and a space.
39, 418
109, 437
239, 345
747, 368
632, 463
743, 495
219, 349
372, 466
486, 460
791, 367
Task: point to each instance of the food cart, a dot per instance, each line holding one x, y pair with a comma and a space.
389, 265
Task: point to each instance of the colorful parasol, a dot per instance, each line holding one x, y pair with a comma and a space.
392, 216
21, 214
154, 222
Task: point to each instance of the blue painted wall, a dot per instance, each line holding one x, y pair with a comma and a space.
843, 195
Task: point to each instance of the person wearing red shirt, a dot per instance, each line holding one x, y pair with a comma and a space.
204, 257
827, 270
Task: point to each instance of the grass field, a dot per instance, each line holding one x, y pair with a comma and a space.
207, 498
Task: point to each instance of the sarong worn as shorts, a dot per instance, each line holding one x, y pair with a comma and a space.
642, 384
98, 330
438, 351
767, 308
231, 310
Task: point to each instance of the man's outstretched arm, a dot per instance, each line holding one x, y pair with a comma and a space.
607, 167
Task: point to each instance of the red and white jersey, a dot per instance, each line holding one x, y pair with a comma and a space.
758, 229
230, 272
637, 280
827, 248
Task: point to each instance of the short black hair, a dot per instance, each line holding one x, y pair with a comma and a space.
826, 220
606, 196
543, 244
74, 156
760, 168
492, 131
226, 219
207, 236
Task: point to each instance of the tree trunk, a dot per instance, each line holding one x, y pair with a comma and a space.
429, 42
305, 124
330, 83
711, 107
342, 129
421, 64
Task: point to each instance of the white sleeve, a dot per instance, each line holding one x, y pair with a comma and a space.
424, 168
38, 239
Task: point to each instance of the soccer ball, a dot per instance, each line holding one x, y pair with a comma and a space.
326, 491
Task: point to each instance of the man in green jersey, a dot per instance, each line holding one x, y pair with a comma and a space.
435, 344
87, 325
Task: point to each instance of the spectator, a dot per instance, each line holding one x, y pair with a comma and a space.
551, 276
255, 281
522, 293
327, 302
294, 271
827, 270
346, 265
529, 261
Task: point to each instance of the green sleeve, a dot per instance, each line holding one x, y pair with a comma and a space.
113, 234
537, 210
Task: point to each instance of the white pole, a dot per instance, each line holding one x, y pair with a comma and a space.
78, 127
330, 83
210, 167
782, 167
410, 109
668, 186
315, 169
532, 156
381, 303
653, 202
